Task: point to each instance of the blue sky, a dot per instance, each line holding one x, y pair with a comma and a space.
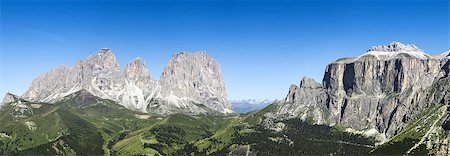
263, 47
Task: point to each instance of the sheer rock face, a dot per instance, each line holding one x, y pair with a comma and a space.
195, 76
371, 92
190, 83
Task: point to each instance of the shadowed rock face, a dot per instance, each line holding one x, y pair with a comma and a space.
382, 89
191, 83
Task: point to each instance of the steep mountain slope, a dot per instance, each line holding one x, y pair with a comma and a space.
191, 83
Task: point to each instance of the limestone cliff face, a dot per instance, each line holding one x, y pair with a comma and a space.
191, 83
381, 94
195, 76
382, 89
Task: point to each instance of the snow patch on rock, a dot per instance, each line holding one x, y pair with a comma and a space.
394, 50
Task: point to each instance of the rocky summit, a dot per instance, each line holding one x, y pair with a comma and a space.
191, 83
381, 91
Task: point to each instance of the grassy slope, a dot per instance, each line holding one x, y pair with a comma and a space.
48, 128
170, 135
182, 134
66, 128
223, 137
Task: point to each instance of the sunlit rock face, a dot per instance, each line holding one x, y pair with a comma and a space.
382, 89
191, 83
195, 76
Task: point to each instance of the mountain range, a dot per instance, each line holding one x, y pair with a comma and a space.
249, 105
191, 83
391, 100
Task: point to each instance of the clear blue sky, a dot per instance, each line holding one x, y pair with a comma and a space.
263, 47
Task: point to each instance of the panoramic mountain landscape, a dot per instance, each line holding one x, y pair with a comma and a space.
392, 99
238, 78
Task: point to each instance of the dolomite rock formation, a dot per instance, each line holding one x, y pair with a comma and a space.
191, 83
195, 76
383, 89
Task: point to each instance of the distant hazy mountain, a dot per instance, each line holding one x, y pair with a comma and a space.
249, 105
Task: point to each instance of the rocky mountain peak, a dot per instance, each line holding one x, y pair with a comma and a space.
137, 69
8, 98
183, 62
195, 75
308, 82
105, 51
395, 47
191, 57
104, 58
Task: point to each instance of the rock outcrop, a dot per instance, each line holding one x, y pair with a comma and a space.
302, 101
9, 98
191, 83
383, 89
